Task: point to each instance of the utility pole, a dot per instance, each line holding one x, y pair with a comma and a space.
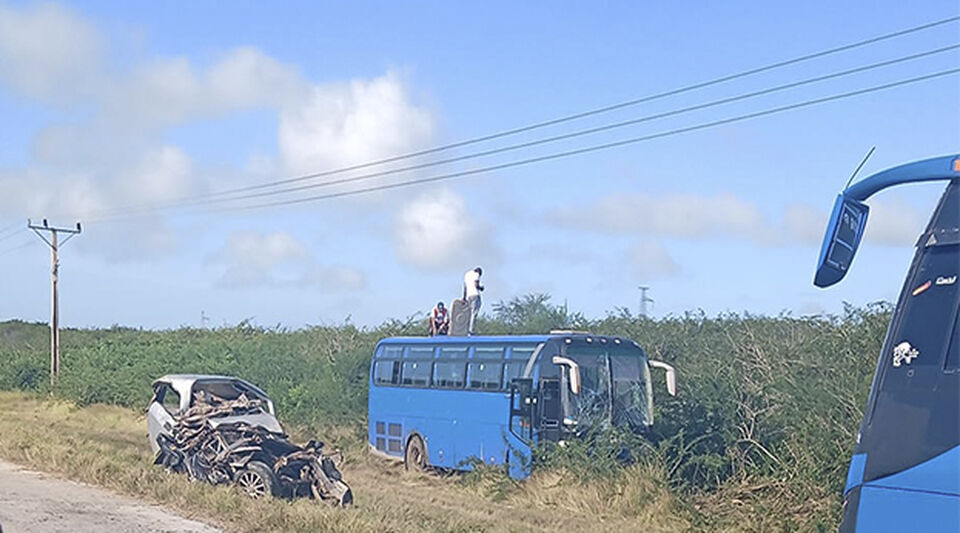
54, 268
644, 300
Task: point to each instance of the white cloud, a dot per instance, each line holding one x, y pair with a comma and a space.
650, 260
804, 224
169, 91
146, 238
693, 217
117, 152
47, 52
335, 278
164, 174
894, 223
252, 258
437, 230
686, 216
349, 123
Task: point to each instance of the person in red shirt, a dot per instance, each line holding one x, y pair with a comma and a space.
439, 320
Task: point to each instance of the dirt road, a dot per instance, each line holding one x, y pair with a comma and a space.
32, 501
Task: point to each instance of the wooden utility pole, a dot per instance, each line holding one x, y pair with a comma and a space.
54, 270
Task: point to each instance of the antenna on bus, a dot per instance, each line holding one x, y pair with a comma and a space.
860, 166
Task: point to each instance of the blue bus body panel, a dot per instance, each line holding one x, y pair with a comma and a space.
925, 497
940, 474
445, 431
884, 510
456, 425
855, 472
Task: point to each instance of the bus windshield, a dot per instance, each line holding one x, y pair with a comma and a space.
615, 387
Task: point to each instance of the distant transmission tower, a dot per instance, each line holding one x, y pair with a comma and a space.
644, 299
54, 271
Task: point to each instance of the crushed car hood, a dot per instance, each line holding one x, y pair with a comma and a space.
263, 420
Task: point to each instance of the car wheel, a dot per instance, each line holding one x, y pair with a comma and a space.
257, 480
415, 457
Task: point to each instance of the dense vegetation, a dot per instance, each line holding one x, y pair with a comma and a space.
765, 419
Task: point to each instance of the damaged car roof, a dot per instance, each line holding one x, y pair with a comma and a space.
183, 383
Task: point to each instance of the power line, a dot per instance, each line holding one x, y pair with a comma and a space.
15, 248
604, 146
15, 225
555, 138
12, 234
584, 114
588, 131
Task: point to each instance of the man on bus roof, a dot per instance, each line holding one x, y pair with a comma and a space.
471, 295
439, 320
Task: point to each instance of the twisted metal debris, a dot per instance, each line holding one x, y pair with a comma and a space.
214, 442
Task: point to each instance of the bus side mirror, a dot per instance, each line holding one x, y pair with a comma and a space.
840, 240
671, 375
574, 372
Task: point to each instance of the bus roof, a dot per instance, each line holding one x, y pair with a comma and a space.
484, 339
934, 169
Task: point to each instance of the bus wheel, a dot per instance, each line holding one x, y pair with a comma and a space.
416, 456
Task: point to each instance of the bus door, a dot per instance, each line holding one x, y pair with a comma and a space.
549, 410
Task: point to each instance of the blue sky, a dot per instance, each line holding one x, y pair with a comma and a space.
108, 105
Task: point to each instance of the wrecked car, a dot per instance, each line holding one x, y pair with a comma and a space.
224, 430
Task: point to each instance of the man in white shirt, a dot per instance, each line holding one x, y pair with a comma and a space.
471, 294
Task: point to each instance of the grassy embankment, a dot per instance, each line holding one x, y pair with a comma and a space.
757, 440
106, 446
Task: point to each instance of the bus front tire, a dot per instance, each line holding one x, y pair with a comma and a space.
415, 457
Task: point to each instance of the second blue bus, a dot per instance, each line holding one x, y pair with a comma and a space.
446, 401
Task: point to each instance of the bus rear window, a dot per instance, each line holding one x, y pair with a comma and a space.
416, 373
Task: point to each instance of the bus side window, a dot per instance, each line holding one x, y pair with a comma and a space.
416, 373
453, 352
488, 352
514, 367
391, 352
484, 375
386, 373
420, 352
449, 374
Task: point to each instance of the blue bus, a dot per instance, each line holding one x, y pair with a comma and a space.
905, 471
448, 401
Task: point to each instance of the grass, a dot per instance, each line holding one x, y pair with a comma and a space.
106, 446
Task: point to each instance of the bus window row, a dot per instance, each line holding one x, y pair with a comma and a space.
456, 352
475, 375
